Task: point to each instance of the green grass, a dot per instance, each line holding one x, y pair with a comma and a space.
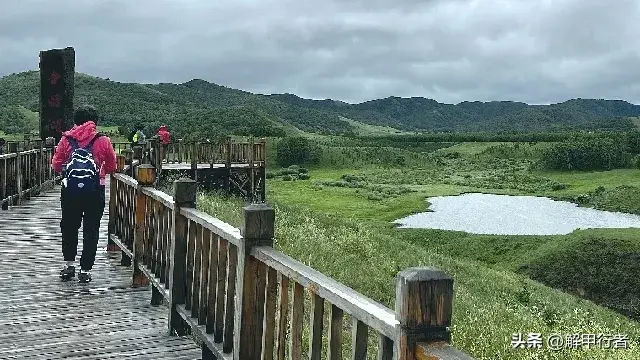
581, 182
490, 303
339, 222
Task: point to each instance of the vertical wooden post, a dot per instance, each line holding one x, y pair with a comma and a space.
252, 171
424, 298
3, 183
151, 151
227, 165
257, 230
194, 160
128, 155
263, 152
184, 196
40, 163
113, 192
138, 154
121, 161
146, 177
14, 148
50, 144
159, 152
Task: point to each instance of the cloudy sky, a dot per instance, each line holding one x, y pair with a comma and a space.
536, 51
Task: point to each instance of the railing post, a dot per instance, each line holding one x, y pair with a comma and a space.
138, 153
14, 148
194, 160
184, 196
121, 161
113, 196
159, 155
146, 177
424, 299
252, 172
263, 152
40, 163
257, 230
229, 148
227, 165
49, 143
128, 155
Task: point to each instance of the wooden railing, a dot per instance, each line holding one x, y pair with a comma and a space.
242, 299
25, 170
206, 152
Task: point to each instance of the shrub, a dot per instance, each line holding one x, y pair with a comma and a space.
293, 150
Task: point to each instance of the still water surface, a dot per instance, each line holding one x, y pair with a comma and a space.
513, 215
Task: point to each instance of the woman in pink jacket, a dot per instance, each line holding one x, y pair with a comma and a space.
165, 139
89, 205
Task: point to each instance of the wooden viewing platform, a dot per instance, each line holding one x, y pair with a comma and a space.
235, 167
172, 282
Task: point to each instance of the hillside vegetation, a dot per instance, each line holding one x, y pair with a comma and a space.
199, 108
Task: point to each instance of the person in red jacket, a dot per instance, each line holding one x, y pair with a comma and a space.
165, 139
78, 205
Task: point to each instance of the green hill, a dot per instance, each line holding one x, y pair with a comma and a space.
200, 108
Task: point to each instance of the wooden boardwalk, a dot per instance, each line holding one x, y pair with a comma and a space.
44, 318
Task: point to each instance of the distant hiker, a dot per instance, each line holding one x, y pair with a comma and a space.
84, 157
165, 139
137, 137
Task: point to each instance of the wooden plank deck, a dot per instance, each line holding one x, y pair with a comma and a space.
44, 318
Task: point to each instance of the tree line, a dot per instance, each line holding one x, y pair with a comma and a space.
594, 152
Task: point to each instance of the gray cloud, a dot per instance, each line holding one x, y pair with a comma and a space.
536, 51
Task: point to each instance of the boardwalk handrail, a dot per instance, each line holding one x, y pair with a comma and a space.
25, 171
230, 288
227, 152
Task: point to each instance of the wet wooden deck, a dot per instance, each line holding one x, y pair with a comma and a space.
44, 318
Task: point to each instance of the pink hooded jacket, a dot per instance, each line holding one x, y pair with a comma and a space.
102, 150
164, 134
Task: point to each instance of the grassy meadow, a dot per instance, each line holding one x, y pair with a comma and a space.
336, 214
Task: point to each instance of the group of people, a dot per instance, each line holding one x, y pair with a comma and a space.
84, 157
137, 137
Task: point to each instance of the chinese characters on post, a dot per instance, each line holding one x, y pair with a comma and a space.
55, 101
54, 78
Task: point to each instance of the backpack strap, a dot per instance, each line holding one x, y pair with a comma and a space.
90, 145
73, 142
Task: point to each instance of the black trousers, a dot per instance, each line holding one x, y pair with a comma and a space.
87, 210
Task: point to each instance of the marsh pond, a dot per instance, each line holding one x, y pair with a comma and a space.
513, 215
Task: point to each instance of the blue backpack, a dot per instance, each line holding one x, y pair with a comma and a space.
81, 175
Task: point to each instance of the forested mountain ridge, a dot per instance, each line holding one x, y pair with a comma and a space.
199, 107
